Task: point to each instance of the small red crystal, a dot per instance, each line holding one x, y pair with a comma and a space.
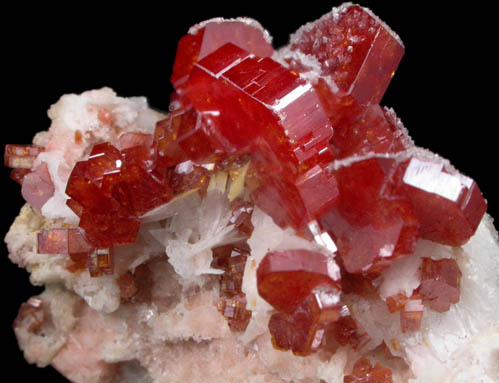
396, 303
364, 372
21, 156
301, 332
62, 241
234, 310
188, 176
412, 314
286, 278
100, 262
241, 216
440, 283
347, 331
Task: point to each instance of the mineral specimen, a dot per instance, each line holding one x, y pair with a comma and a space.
278, 224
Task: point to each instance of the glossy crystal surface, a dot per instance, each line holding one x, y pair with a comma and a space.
286, 278
355, 49
210, 36
310, 147
371, 225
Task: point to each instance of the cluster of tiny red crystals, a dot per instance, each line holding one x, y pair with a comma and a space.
364, 372
321, 155
232, 304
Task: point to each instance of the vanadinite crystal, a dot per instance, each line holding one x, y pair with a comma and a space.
298, 134
365, 372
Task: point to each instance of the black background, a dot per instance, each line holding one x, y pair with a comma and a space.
444, 90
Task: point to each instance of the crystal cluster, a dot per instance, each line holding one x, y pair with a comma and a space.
300, 135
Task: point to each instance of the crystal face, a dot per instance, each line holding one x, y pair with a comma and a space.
359, 54
276, 201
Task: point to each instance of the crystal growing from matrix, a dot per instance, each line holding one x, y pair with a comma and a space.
278, 211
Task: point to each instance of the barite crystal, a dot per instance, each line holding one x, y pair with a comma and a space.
277, 215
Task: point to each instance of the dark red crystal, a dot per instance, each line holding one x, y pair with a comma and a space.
364, 372
286, 278
449, 204
347, 331
355, 49
301, 332
206, 39
371, 225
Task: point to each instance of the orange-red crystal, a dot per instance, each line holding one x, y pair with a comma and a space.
364, 372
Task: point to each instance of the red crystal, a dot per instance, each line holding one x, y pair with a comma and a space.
104, 159
371, 225
100, 262
241, 216
127, 285
354, 48
138, 191
281, 201
396, 303
234, 310
75, 206
188, 176
232, 305
347, 331
440, 283
199, 43
62, 241
412, 314
109, 228
300, 332
374, 131
231, 259
251, 99
18, 174
449, 204
364, 372
21, 156
286, 278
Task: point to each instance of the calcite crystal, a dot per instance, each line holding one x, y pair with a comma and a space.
277, 225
